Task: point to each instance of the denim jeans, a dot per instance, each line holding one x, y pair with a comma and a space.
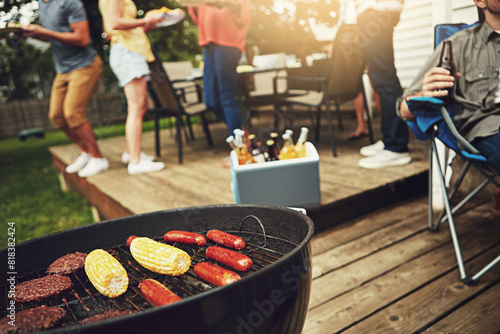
376, 31
490, 149
220, 81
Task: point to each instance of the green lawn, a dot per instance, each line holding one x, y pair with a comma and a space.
30, 194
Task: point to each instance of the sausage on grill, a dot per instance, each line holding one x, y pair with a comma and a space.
230, 258
156, 293
226, 239
214, 274
187, 238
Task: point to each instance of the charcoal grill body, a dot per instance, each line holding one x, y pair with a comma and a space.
273, 299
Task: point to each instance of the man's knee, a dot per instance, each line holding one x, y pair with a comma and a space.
75, 119
58, 121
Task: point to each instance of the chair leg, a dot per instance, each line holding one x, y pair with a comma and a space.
430, 223
157, 134
368, 116
339, 117
178, 136
330, 127
451, 222
190, 127
206, 129
318, 123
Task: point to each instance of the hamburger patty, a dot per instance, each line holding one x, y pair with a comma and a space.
67, 264
41, 288
106, 315
33, 320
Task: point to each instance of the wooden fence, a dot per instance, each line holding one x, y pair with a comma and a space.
20, 115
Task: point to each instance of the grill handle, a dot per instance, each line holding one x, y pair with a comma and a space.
261, 226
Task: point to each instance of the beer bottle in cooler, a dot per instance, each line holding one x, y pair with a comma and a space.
275, 137
288, 150
446, 61
272, 154
231, 143
257, 153
244, 157
300, 147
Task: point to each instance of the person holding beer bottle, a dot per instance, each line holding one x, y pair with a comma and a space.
477, 82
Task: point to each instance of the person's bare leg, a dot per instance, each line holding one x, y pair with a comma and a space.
361, 128
86, 139
135, 92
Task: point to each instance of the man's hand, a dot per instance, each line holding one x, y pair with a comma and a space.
434, 84
35, 31
436, 81
78, 36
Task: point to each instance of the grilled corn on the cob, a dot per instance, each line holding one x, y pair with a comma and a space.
159, 257
105, 273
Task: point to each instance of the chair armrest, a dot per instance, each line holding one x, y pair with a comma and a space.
433, 109
454, 131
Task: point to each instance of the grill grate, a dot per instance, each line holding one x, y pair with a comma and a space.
83, 300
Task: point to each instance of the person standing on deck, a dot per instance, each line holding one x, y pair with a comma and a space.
222, 31
128, 58
64, 23
376, 22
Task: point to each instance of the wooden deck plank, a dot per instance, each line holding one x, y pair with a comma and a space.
414, 312
349, 231
479, 316
354, 302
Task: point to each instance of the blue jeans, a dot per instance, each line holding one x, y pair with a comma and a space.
490, 149
376, 30
220, 81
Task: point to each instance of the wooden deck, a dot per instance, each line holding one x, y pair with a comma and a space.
380, 271
386, 273
346, 189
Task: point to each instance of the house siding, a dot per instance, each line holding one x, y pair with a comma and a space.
414, 35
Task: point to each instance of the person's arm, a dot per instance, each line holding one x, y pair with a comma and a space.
118, 22
434, 84
78, 36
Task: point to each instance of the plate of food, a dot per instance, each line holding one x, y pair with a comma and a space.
16, 29
170, 16
194, 3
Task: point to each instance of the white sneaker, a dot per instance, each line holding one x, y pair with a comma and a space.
385, 158
79, 163
144, 166
372, 149
94, 166
126, 157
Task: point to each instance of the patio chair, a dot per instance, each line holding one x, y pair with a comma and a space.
342, 82
434, 121
257, 86
181, 75
168, 102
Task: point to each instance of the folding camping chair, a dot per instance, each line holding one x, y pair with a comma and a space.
434, 120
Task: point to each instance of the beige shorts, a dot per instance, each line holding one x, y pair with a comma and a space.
71, 93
